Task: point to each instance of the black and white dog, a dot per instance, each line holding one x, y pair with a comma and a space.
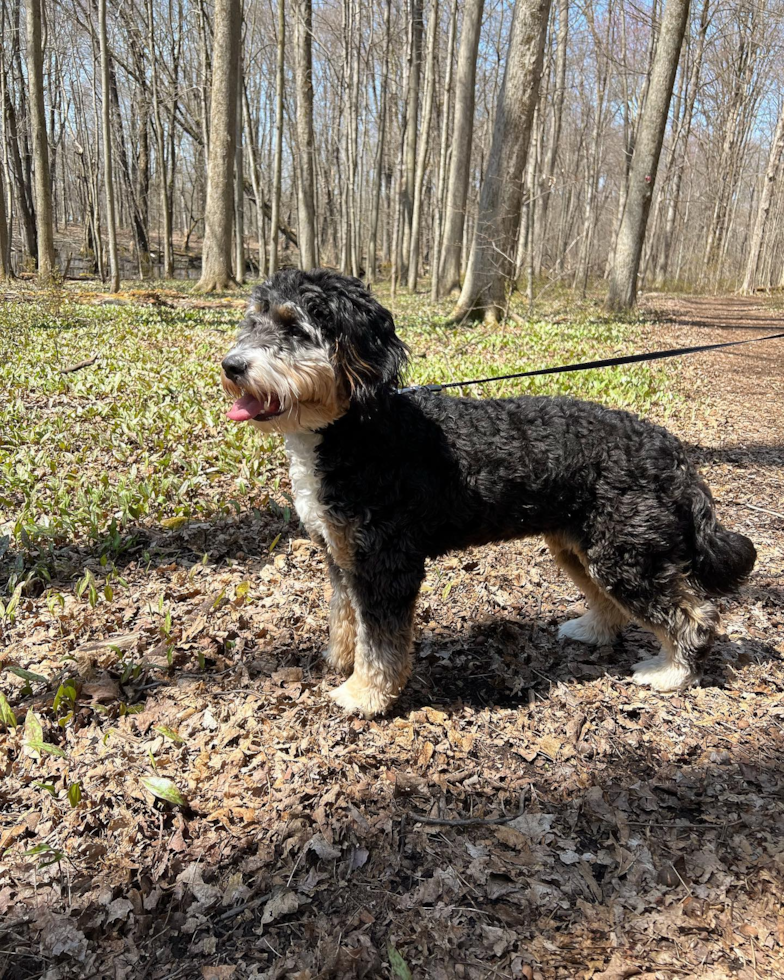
384, 480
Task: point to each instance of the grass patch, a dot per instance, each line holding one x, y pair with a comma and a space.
140, 439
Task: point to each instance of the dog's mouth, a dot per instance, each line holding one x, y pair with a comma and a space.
258, 409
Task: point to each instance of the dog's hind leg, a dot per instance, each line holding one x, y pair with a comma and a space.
342, 623
384, 610
686, 629
604, 619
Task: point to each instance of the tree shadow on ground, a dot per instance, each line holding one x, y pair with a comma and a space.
650, 837
739, 456
510, 663
249, 534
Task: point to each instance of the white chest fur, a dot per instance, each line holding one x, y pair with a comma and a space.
306, 483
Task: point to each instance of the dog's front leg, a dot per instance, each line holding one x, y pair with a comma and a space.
384, 614
342, 622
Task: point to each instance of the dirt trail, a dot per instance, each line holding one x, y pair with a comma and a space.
744, 384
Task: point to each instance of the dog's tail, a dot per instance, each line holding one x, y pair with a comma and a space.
723, 559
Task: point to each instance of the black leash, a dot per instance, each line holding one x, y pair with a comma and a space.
587, 365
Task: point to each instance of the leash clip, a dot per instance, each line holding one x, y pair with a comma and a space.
413, 389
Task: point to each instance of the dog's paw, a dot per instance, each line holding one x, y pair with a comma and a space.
338, 659
587, 629
662, 674
358, 698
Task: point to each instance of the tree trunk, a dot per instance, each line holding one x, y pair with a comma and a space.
491, 266
239, 189
443, 157
548, 178
273, 253
168, 261
306, 186
43, 186
462, 138
424, 147
379, 160
680, 144
257, 191
650, 134
24, 197
412, 129
108, 176
5, 267
750, 280
216, 259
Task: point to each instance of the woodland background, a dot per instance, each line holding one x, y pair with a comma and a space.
365, 131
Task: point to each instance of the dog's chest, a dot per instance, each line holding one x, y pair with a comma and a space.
306, 484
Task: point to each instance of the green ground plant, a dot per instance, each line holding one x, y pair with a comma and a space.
139, 439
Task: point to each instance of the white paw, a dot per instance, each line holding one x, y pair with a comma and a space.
587, 629
358, 698
662, 674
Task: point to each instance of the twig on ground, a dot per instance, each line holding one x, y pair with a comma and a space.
469, 821
79, 366
231, 913
762, 510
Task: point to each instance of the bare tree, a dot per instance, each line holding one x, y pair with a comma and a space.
424, 148
460, 163
275, 219
645, 161
160, 144
43, 187
750, 280
5, 266
491, 266
239, 188
680, 141
108, 176
411, 139
378, 161
548, 177
306, 188
216, 261
443, 157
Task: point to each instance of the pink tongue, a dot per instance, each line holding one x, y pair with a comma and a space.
245, 408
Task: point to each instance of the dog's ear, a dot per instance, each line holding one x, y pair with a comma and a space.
368, 354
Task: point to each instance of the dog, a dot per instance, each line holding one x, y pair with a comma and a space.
384, 480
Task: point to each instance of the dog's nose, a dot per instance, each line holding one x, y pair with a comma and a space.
234, 365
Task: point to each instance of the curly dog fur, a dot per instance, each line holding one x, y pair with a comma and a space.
384, 480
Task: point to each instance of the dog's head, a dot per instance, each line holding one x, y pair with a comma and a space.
311, 345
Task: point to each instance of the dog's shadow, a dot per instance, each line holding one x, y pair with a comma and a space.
511, 663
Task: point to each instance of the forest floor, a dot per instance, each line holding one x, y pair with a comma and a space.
160, 632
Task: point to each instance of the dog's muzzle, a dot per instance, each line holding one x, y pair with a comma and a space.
248, 406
